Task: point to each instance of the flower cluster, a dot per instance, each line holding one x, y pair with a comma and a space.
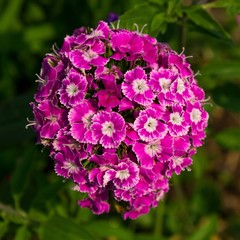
120, 113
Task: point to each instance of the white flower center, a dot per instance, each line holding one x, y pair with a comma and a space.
165, 84
95, 33
152, 148
87, 119
140, 86
177, 161
89, 55
195, 115
175, 118
151, 124
122, 174
180, 86
70, 167
72, 90
108, 128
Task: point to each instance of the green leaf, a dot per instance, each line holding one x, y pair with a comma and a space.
222, 70
206, 229
21, 175
110, 229
47, 193
39, 33
232, 6
158, 24
204, 22
229, 138
9, 15
22, 233
13, 215
144, 236
3, 228
227, 96
63, 228
140, 14
13, 121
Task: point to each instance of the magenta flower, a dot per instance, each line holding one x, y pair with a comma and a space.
123, 42
136, 88
49, 119
108, 129
121, 113
177, 124
149, 126
73, 89
83, 59
80, 118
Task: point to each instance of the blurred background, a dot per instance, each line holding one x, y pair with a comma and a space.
202, 204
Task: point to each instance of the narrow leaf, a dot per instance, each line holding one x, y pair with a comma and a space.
204, 22
21, 175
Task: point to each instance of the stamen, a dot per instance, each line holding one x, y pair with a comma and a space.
112, 25
188, 57
55, 49
183, 49
141, 31
30, 123
197, 73
118, 24
137, 28
40, 79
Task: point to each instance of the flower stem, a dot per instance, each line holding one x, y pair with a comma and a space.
158, 228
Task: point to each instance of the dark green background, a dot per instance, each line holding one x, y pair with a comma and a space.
201, 204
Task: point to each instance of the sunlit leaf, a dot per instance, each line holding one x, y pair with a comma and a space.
10, 14
229, 138
3, 228
22, 233
158, 24
204, 22
233, 6
39, 33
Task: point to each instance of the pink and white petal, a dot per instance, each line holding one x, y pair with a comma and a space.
77, 59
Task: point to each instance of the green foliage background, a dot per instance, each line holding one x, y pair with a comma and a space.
201, 204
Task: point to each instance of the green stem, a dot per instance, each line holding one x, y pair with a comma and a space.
158, 228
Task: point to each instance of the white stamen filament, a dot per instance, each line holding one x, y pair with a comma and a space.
40, 79
30, 123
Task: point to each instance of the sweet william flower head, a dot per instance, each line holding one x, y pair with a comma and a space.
121, 113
